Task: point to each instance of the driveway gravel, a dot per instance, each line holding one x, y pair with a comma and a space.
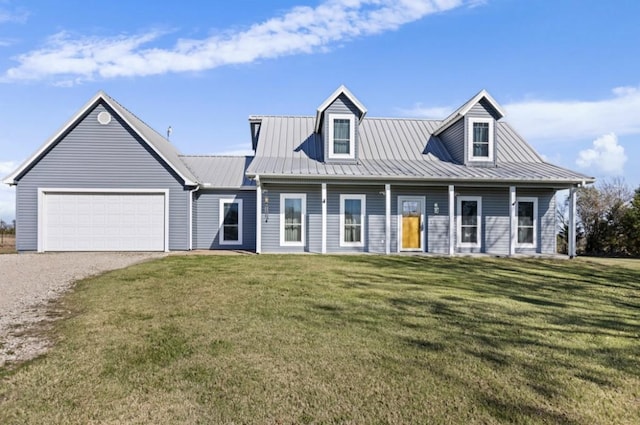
29, 282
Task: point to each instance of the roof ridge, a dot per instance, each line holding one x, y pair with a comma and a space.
133, 115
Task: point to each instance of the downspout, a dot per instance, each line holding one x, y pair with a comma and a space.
191, 192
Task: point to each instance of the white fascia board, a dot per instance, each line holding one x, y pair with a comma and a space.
187, 181
444, 181
340, 90
10, 179
460, 112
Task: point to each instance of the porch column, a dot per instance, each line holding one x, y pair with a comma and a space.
258, 216
513, 221
387, 219
572, 223
452, 212
323, 196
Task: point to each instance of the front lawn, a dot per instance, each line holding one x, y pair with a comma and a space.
353, 339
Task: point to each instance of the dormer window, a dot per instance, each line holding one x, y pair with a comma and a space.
341, 136
480, 139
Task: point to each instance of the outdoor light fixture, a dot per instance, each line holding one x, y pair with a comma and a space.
436, 208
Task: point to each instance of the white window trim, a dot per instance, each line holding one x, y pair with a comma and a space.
303, 197
535, 222
470, 124
362, 199
352, 136
221, 239
459, 242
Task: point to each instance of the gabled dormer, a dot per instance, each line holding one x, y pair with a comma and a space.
469, 133
337, 121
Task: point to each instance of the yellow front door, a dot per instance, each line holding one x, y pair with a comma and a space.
411, 226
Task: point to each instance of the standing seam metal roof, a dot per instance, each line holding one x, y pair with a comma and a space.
395, 148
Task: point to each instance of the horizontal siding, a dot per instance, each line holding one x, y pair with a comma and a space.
438, 224
453, 140
374, 218
483, 109
206, 223
92, 155
271, 218
546, 234
342, 105
495, 220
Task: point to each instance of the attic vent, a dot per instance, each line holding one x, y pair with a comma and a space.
104, 118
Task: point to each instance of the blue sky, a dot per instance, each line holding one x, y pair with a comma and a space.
566, 72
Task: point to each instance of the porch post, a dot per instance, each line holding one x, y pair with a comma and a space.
387, 219
572, 223
452, 212
513, 221
324, 217
258, 215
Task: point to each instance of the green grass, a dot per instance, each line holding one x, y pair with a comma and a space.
353, 339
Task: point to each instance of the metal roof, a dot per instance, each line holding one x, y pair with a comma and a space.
222, 172
395, 148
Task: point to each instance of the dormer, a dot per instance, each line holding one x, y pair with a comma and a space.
469, 133
337, 121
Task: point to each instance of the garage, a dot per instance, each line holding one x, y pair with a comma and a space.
103, 221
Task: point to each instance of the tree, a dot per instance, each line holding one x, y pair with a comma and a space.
631, 224
602, 210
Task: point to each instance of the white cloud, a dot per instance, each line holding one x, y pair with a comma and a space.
558, 120
302, 29
16, 16
430, 112
7, 194
562, 120
605, 155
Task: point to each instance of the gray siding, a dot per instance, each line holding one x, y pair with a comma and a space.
92, 155
546, 237
206, 220
374, 218
453, 139
495, 220
483, 109
438, 224
436, 232
342, 105
271, 220
495, 235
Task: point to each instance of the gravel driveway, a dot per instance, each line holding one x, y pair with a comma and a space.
28, 282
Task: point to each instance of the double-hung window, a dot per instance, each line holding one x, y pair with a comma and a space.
480, 137
469, 227
527, 222
341, 136
352, 213
293, 210
230, 222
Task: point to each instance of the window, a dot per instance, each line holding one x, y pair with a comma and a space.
469, 221
480, 139
352, 211
292, 218
527, 221
230, 222
341, 136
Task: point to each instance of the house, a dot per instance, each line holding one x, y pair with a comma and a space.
337, 181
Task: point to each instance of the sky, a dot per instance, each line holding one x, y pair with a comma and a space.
566, 72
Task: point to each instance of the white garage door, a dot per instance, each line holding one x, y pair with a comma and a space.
104, 222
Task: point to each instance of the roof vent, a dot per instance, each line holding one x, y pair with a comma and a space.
104, 118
